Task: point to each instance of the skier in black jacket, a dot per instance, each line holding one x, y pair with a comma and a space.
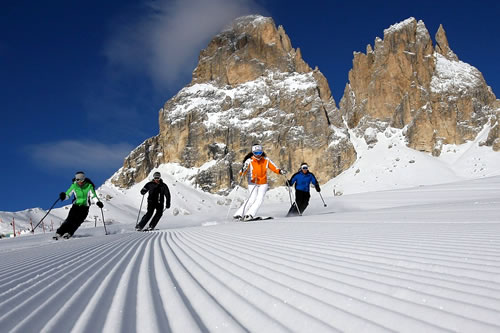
159, 195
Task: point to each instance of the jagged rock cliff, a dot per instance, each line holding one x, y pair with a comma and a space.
406, 82
250, 86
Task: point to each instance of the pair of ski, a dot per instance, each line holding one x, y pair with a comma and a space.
257, 218
65, 236
146, 230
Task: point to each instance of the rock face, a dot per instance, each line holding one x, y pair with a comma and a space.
245, 51
250, 86
406, 82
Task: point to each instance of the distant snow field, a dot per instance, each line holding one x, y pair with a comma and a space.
412, 245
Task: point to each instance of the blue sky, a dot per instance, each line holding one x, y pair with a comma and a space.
81, 83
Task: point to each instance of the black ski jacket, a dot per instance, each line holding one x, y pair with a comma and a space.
158, 193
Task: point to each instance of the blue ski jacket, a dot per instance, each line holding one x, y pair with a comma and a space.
303, 181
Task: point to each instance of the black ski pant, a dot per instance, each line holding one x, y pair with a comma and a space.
77, 214
302, 200
152, 206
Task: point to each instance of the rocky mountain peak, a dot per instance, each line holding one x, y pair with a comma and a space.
406, 28
442, 46
245, 50
409, 83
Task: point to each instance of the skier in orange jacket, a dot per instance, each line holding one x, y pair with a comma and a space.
255, 166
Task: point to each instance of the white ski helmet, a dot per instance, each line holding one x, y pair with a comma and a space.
79, 176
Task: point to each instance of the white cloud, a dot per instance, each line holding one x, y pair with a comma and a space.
80, 154
165, 37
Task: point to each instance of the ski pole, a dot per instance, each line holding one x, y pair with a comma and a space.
104, 223
231, 203
290, 195
289, 192
139, 214
242, 174
33, 230
324, 204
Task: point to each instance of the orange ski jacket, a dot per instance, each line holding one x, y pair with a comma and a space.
257, 170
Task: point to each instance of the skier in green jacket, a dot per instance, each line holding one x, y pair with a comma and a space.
84, 192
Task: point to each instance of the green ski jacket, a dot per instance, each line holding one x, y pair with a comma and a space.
83, 194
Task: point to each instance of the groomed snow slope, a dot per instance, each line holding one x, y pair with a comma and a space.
425, 259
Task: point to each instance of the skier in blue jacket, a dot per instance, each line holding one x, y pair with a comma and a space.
302, 181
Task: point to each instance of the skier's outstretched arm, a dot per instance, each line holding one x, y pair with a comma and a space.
315, 183
274, 168
66, 195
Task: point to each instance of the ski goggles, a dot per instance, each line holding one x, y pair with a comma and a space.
80, 179
258, 153
304, 167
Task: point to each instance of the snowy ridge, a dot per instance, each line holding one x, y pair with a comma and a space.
398, 26
451, 75
209, 99
243, 21
390, 164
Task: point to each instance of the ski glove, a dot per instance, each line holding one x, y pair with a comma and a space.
245, 166
282, 172
167, 206
317, 188
62, 196
144, 191
99, 204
